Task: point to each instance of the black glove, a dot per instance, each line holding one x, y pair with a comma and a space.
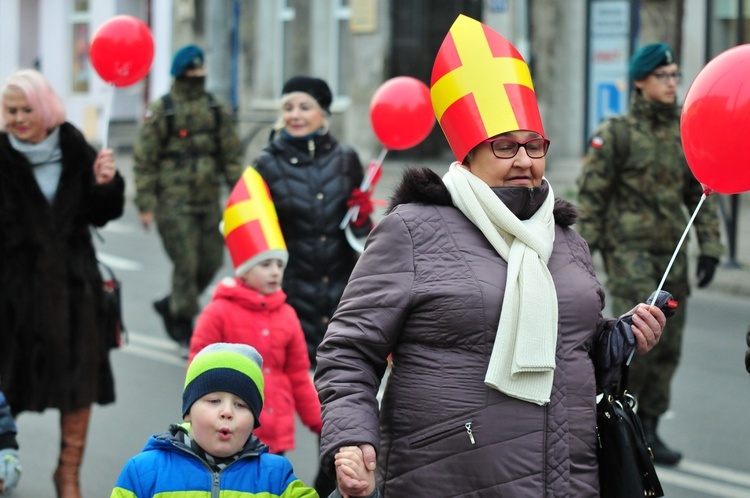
616, 345
613, 348
706, 270
747, 353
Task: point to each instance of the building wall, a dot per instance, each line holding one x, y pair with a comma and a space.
557, 71
554, 48
39, 33
558, 45
692, 58
10, 37
366, 75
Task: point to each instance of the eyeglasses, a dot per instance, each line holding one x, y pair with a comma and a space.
507, 148
665, 77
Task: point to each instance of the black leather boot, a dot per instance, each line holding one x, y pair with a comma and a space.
662, 454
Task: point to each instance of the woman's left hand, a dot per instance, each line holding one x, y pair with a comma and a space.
648, 324
104, 167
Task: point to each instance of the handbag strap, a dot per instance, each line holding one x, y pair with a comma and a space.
109, 271
622, 385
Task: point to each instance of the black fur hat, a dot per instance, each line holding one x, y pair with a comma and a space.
316, 87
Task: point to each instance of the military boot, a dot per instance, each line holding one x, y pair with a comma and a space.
662, 454
183, 328
173, 328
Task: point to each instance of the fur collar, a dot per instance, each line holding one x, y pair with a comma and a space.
424, 186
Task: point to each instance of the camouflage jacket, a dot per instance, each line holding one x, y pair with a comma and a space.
636, 189
183, 171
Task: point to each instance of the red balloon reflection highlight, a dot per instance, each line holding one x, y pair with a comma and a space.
715, 122
401, 113
122, 50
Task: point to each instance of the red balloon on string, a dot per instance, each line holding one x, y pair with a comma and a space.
122, 50
401, 113
715, 122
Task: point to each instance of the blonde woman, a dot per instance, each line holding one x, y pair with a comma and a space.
53, 188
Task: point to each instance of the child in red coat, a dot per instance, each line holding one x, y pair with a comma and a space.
251, 309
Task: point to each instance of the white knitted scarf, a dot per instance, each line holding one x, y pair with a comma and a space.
522, 364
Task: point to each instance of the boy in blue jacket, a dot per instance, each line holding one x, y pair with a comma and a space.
214, 450
10, 468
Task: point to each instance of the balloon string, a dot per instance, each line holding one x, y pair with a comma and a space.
372, 170
679, 244
107, 113
364, 186
674, 256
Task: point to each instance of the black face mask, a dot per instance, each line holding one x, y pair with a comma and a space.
194, 80
523, 201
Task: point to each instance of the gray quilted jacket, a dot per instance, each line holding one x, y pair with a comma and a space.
429, 289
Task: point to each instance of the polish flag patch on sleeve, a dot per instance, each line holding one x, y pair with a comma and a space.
597, 142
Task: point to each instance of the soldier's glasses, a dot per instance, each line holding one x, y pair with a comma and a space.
665, 77
507, 148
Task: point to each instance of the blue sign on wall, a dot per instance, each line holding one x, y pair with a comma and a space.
498, 5
609, 35
608, 100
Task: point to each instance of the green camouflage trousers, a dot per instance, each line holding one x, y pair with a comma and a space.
632, 276
196, 247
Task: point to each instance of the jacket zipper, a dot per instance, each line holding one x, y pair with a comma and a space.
215, 485
545, 449
215, 476
470, 432
442, 431
311, 148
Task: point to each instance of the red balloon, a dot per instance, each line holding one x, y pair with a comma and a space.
715, 122
401, 113
122, 50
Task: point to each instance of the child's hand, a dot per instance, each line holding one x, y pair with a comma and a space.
10, 470
354, 479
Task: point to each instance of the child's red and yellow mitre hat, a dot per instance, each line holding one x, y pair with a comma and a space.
250, 226
481, 87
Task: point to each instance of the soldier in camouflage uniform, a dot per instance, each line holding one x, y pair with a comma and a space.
186, 144
634, 190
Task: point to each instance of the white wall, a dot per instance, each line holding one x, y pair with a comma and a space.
161, 29
693, 42
41, 30
10, 12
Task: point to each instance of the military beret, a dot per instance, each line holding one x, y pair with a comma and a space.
188, 57
315, 87
648, 58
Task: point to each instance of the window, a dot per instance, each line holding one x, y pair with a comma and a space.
80, 65
316, 41
725, 30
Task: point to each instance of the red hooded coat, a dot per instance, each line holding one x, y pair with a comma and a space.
239, 314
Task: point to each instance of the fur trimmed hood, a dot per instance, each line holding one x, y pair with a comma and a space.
424, 186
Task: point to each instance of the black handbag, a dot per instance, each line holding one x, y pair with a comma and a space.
116, 333
626, 469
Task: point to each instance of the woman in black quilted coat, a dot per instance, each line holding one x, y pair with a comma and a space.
313, 180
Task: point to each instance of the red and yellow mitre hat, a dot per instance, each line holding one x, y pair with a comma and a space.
481, 87
250, 226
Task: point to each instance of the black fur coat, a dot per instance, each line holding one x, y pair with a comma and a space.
53, 352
